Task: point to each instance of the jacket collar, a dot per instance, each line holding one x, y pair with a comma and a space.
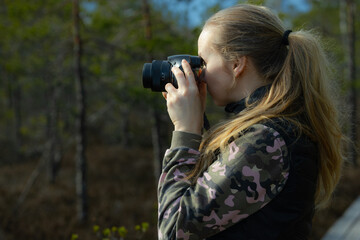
237, 107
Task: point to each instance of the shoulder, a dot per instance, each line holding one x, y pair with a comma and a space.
291, 132
258, 143
258, 155
260, 135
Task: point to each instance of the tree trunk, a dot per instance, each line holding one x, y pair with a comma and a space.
81, 168
16, 100
351, 9
157, 143
155, 114
347, 27
53, 151
148, 28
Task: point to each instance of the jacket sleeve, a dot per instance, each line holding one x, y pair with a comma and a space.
250, 172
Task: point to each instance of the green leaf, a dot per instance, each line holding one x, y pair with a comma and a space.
107, 232
74, 236
122, 231
96, 228
144, 226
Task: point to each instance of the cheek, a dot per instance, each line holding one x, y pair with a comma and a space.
218, 78
219, 86
212, 80
211, 74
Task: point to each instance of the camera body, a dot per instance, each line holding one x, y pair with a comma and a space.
157, 74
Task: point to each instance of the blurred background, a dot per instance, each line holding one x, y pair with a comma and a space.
81, 141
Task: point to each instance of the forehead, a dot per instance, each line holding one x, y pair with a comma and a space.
205, 40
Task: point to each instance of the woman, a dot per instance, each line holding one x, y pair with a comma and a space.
261, 174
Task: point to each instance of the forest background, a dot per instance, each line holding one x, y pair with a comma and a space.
81, 139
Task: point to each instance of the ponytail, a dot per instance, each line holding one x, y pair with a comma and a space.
309, 68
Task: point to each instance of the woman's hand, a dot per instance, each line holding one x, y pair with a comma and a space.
186, 104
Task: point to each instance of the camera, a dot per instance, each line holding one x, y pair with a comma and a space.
157, 74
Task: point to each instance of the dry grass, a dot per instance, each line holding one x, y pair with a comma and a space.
121, 190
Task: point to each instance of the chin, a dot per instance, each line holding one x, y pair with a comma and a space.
219, 103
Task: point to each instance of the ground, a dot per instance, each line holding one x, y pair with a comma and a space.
122, 192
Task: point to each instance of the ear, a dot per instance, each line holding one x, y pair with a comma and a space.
239, 66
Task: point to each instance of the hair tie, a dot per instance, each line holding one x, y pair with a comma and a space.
285, 38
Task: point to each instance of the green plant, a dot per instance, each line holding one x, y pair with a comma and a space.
116, 233
74, 237
141, 229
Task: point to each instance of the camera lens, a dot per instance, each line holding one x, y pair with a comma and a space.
152, 75
156, 75
146, 72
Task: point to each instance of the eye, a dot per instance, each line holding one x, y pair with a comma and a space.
203, 64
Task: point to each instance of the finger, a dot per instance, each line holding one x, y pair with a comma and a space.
169, 88
164, 95
180, 77
189, 73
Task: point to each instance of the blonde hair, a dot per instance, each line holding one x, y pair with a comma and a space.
299, 75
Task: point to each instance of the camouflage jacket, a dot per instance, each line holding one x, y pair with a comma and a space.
245, 177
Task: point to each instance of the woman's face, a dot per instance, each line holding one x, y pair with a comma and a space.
218, 73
